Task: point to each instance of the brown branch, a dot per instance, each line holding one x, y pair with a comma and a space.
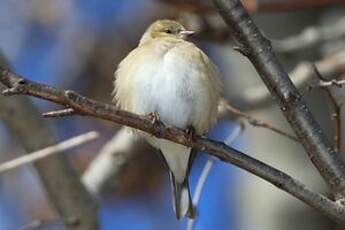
84, 106
256, 122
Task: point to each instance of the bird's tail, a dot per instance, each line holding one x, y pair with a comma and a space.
182, 202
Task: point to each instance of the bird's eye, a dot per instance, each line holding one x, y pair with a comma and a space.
168, 31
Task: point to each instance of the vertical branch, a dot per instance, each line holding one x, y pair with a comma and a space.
259, 50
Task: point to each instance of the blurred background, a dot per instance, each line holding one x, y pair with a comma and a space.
78, 45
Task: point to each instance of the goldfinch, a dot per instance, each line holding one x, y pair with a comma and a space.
174, 81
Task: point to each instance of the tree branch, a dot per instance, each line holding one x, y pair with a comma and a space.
66, 194
329, 67
259, 50
311, 37
110, 161
88, 107
256, 122
48, 151
336, 106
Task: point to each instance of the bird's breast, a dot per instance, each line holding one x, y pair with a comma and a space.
169, 96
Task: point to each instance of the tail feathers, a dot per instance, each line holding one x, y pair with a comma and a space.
182, 202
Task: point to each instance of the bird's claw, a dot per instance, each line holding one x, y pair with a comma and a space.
190, 134
154, 117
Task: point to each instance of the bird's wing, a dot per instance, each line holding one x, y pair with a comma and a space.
122, 83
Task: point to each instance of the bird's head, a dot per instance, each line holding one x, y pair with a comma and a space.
166, 28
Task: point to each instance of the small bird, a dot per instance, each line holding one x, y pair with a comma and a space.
174, 82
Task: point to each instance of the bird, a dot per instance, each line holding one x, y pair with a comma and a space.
171, 80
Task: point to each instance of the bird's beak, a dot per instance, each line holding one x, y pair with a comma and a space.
187, 33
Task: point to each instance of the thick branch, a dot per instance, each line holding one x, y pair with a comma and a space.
259, 50
85, 106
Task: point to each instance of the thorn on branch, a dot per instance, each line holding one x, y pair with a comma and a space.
70, 94
242, 50
59, 113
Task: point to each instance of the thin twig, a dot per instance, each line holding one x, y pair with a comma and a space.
259, 51
206, 171
311, 37
59, 113
336, 106
258, 123
326, 83
330, 67
38, 155
87, 107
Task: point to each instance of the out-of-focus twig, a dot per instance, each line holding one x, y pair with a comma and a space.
289, 5
48, 151
336, 106
256, 122
311, 37
325, 83
44, 225
205, 6
109, 161
206, 172
329, 67
85, 106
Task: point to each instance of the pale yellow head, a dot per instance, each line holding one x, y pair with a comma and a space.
165, 29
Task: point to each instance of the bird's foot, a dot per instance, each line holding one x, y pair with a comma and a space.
154, 117
190, 134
